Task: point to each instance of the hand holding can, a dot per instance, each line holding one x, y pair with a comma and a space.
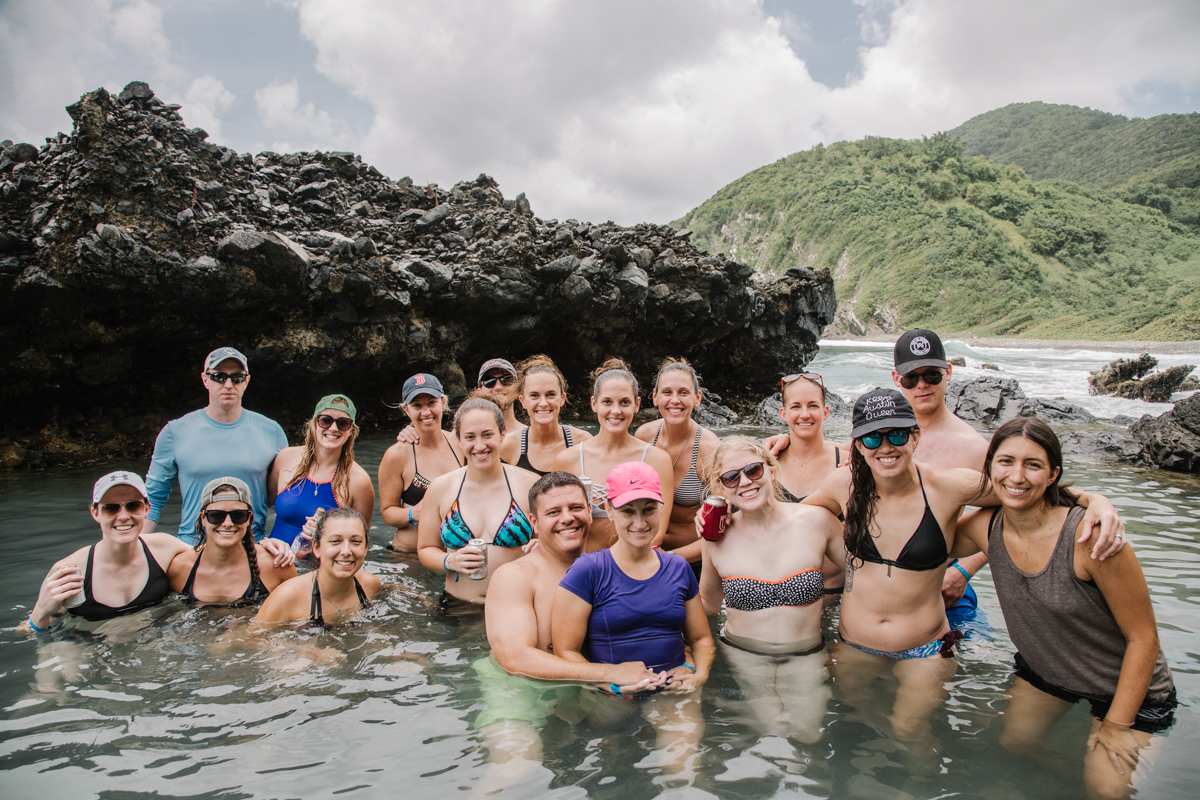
712, 516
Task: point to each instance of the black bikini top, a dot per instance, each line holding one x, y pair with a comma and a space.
788, 497
924, 550
315, 613
257, 590
415, 491
154, 592
523, 459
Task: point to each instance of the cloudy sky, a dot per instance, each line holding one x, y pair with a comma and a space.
631, 110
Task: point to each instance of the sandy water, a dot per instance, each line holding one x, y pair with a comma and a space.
179, 702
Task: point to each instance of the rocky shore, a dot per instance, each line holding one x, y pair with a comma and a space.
133, 246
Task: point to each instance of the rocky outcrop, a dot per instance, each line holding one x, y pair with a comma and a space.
1172, 440
985, 400
1135, 379
133, 246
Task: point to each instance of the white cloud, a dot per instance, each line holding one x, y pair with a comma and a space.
301, 126
204, 102
639, 111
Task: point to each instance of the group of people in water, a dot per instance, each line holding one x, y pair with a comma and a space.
586, 552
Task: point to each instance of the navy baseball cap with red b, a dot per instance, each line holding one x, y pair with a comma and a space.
919, 348
421, 383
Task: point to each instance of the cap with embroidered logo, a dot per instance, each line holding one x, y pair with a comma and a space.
421, 383
223, 353
240, 491
631, 481
919, 348
118, 478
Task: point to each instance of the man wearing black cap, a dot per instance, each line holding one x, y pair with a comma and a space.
922, 373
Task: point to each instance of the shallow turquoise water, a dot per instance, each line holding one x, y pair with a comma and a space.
183, 702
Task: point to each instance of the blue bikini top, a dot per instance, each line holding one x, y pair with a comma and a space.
514, 531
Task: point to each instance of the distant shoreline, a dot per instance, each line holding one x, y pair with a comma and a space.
1128, 346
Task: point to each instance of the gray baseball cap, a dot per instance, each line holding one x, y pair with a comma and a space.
210, 494
222, 353
496, 363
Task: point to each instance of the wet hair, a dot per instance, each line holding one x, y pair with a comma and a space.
342, 512
247, 537
479, 400
551, 481
612, 368
1037, 431
341, 477
677, 365
536, 364
861, 504
796, 382
710, 469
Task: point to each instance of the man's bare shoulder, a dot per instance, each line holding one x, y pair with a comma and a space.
953, 443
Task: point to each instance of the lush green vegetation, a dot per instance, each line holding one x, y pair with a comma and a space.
958, 243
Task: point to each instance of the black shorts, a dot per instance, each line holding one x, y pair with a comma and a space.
1151, 718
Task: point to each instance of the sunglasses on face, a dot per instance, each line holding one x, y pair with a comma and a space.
733, 477
221, 377
239, 517
897, 436
808, 376
489, 383
133, 507
931, 377
342, 423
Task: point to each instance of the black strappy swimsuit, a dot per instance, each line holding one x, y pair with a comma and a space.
523, 459
924, 550
257, 590
315, 614
788, 497
415, 491
154, 592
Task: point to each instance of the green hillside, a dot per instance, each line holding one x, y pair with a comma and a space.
917, 233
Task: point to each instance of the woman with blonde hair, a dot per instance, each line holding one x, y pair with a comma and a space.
320, 475
676, 395
408, 468
767, 570
542, 391
615, 401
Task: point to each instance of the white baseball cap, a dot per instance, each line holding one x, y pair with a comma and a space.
119, 478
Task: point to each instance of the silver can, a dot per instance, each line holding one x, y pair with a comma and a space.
482, 572
76, 598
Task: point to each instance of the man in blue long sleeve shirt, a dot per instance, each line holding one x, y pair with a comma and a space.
221, 439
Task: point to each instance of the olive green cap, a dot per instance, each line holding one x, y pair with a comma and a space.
327, 403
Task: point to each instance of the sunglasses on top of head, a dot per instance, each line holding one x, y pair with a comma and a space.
897, 436
931, 377
504, 380
808, 376
133, 507
221, 377
342, 423
239, 517
733, 477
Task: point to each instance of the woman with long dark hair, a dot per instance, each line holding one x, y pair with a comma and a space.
320, 475
226, 567
1084, 629
899, 529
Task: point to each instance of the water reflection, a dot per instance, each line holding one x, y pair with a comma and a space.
189, 703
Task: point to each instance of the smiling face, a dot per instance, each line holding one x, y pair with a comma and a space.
615, 405
925, 399
561, 519
342, 547
1021, 473
479, 437
124, 527
225, 534
747, 495
331, 438
888, 460
676, 396
502, 388
227, 395
803, 409
542, 397
426, 411
637, 521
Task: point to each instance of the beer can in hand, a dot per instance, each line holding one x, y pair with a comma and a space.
712, 515
482, 572
76, 598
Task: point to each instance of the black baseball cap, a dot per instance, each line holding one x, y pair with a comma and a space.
919, 348
881, 410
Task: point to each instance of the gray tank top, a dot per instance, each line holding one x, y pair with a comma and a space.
1061, 625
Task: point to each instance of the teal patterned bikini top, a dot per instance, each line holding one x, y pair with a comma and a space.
514, 531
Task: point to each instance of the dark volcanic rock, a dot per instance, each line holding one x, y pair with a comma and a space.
1172, 441
1104, 445
132, 247
1135, 379
1055, 411
766, 413
985, 400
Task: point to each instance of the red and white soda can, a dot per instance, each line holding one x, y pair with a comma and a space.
712, 515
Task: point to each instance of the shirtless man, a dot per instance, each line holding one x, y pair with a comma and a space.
922, 374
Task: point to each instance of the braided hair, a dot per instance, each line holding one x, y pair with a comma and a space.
247, 539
